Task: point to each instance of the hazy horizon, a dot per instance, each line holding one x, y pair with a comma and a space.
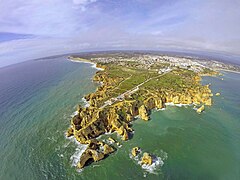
35, 29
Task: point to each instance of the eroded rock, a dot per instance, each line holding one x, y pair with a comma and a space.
146, 159
95, 151
143, 114
201, 109
135, 151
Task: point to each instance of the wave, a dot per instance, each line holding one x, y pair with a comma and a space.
178, 105
74, 114
78, 151
94, 65
86, 103
158, 162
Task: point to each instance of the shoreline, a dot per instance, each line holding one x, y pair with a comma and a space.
94, 65
225, 70
79, 150
90, 123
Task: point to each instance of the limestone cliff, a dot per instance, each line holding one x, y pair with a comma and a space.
99, 118
96, 151
143, 114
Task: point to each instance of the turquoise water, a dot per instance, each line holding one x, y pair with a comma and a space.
38, 97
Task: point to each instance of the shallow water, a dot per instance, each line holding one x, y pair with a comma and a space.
38, 97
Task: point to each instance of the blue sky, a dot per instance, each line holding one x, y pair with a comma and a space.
38, 28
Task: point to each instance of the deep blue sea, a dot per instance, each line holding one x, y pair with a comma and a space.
37, 99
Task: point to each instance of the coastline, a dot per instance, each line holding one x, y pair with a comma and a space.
225, 70
79, 150
94, 120
94, 65
184, 135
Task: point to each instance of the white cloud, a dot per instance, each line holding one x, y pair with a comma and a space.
55, 18
83, 2
60, 26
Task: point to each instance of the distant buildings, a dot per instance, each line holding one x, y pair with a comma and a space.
147, 61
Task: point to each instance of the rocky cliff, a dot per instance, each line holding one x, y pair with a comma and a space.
90, 122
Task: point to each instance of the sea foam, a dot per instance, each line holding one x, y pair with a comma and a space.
158, 162
178, 105
86, 103
78, 151
74, 114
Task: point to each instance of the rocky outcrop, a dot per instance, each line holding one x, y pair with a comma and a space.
96, 151
159, 103
146, 159
198, 95
89, 123
111, 140
143, 114
70, 132
107, 149
201, 109
218, 94
135, 151
150, 103
99, 118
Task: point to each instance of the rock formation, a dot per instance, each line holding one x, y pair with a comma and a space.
111, 140
201, 109
99, 118
96, 151
218, 94
135, 151
143, 113
146, 159
70, 132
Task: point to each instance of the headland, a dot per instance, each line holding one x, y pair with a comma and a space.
131, 86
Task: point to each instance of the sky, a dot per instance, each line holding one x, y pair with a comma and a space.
32, 29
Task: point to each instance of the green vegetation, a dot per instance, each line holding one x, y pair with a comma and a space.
160, 66
133, 80
126, 78
208, 71
176, 80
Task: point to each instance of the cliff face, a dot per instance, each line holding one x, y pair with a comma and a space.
92, 121
143, 114
96, 151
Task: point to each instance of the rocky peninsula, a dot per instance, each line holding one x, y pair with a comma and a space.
131, 89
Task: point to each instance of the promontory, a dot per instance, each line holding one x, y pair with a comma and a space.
131, 85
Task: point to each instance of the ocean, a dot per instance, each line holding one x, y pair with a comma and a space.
38, 98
